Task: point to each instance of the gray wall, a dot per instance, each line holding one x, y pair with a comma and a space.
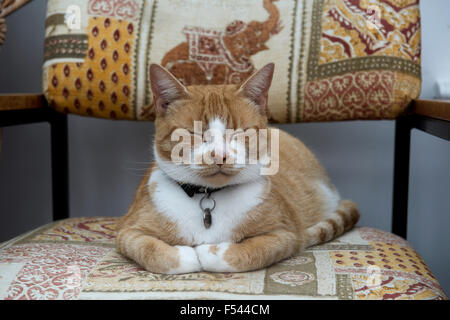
107, 158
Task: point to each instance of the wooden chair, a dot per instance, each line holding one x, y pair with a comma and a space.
430, 116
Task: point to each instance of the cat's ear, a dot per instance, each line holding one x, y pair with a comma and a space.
165, 87
256, 88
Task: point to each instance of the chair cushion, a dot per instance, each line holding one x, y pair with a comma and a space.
76, 259
335, 59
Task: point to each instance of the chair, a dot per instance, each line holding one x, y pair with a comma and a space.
97, 54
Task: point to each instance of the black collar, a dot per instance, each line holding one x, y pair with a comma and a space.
192, 189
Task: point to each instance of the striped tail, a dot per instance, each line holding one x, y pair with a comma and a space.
340, 221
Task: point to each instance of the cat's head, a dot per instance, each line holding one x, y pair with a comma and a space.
182, 110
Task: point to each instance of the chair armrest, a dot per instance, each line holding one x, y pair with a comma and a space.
20, 101
430, 116
436, 109
25, 108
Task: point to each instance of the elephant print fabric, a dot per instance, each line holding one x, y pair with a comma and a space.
334, 59
222, 56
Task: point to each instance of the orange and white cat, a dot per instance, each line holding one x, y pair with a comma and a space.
257, 219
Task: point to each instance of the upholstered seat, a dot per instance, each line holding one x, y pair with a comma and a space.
76, 259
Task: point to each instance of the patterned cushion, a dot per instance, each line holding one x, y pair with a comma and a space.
76, 259
335, 59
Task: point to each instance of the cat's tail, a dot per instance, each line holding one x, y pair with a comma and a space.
341, 220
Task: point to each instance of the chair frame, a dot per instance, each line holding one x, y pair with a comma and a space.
39, 111
430, 116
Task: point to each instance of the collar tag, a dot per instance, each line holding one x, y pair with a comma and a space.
207, 218
192, 189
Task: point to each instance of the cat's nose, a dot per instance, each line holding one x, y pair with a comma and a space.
220, 158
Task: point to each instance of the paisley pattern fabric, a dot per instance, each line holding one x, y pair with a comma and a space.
335, 59
76, 259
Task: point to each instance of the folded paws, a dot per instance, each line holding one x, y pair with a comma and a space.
206, 257
211, 257
188, 261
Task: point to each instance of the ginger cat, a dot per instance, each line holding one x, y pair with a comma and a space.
254, 220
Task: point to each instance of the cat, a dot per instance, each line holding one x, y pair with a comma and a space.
256, 220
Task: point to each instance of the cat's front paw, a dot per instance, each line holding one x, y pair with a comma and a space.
211, 257
188, 261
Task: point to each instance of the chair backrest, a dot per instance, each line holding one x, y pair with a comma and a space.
335, 59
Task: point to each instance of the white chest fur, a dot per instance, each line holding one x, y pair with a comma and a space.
232, 205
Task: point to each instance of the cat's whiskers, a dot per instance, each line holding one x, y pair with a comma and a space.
182, 175
135, 169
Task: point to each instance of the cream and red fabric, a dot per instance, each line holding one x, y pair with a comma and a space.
335, 59
76, 259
